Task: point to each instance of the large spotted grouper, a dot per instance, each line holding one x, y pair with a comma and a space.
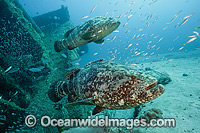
106, 85
93, 30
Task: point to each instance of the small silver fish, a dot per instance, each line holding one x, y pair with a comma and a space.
41, 67
34, 70
8, 69
64, 55
45, 61
53, 70
40, 77
13, 70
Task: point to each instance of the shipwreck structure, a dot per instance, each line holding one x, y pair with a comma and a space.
26, 45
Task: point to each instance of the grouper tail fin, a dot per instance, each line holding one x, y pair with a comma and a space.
58, 90
60, 45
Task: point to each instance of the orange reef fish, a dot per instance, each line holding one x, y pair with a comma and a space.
84, 17
121, 15
130, 16
106, 14
190, 40
113, 38
116, 31
188, 16
160, 40
133, 36
184, 21
153, 46
125, 24
164, 28
93, 9
196, 33
112, 59
173, 19
128, 46
95, 54
192, 36
181, 48
179, 12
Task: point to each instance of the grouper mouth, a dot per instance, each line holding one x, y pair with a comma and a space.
151, 92
144, 92
152, 85
115, 24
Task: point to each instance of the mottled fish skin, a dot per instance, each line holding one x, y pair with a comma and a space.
112, 85
97, 27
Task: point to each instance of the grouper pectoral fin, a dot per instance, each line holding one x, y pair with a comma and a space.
68, 32
88, 35
87, 101
97, 109
99, 41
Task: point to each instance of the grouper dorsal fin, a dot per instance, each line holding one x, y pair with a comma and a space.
68, 32
87, 101
94, 62
71, 73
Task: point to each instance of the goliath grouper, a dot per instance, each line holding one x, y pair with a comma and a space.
106, 85
93, 30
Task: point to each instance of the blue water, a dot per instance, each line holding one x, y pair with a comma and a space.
162, 13
145, 35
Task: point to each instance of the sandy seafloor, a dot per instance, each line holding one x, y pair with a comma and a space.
181, 99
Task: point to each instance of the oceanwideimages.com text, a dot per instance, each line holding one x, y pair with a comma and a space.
46, 121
